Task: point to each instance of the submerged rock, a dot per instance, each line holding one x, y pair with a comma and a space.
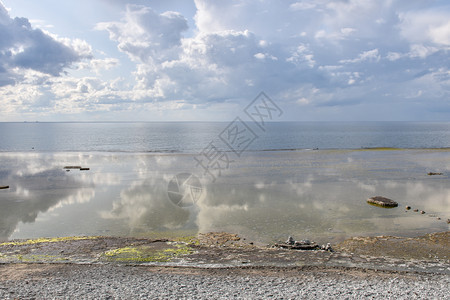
382, 201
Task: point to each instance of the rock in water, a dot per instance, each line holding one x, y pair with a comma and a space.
433, 173
382, 201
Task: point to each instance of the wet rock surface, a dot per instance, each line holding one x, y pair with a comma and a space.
220, 264
426, 254
382, 202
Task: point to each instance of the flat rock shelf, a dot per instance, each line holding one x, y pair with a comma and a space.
382, 202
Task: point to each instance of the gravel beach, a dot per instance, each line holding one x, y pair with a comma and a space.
67, 281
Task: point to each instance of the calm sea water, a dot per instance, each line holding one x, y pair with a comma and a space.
262, 195
192, 137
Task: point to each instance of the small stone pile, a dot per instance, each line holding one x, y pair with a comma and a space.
303, 245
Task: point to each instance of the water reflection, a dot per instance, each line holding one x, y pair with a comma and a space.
35, 192
319, 195
145, 206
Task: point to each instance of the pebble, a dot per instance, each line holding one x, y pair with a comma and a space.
107, 282
422, 212
408, 207
416, 210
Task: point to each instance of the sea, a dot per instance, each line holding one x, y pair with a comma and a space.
264, 182
192, 137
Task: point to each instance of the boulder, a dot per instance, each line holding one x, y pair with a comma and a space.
382, 202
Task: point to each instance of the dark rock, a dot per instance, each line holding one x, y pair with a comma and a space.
422, 212
84, 169
433, 173
312, 246
416, 210
299, 245
303, 242
408, 207
382, 202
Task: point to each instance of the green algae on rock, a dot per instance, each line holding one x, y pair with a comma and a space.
48, 240
145, 253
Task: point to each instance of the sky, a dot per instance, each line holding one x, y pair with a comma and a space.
205, 60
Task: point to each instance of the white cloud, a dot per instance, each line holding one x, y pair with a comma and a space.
303, 5
302, 56
146, 35
370, 55
441, 34
326, 53
22, 47
430, 26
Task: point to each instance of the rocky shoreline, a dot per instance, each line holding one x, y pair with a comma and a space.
221, 264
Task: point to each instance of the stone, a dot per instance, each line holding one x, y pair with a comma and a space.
299, 245
433, 173
303, 242
382, 202
290, 241
422, 212
416, 210
408, 207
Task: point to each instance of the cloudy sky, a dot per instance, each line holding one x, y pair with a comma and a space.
176, 60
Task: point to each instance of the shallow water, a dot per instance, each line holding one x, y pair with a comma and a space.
263, 196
